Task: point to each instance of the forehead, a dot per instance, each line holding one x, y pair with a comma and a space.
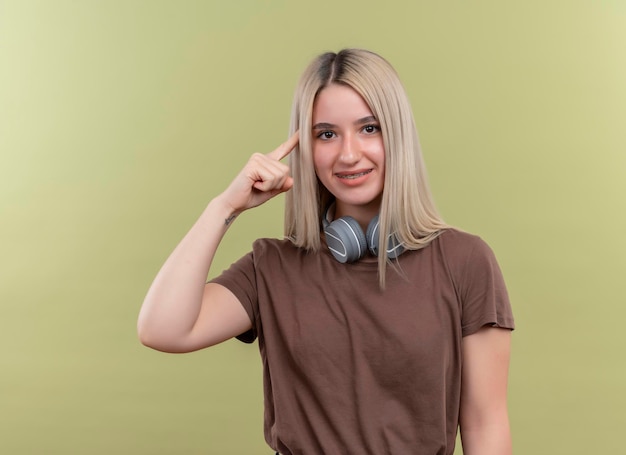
338, 101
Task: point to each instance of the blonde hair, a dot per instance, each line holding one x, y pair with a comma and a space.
407, 207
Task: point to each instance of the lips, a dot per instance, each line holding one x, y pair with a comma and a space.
353, 175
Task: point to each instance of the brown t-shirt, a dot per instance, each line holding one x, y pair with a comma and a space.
353, 369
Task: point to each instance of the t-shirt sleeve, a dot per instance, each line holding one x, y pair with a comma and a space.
240, 279
483, 293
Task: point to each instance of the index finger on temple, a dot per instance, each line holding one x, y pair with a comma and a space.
285, 148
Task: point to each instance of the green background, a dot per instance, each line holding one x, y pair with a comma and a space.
119, 120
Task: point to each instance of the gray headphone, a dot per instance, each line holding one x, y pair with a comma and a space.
347, 242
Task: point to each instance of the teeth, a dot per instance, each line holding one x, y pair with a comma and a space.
354, 176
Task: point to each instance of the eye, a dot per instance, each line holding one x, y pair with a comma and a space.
371, 129
326, 135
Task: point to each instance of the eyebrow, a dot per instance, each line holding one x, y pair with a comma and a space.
361, 121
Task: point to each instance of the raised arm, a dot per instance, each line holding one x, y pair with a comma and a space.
180, 312
484, 418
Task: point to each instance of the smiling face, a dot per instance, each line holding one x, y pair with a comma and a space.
348, 151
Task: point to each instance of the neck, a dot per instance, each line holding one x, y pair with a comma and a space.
363, 214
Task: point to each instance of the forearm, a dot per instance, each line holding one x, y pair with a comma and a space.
174, 300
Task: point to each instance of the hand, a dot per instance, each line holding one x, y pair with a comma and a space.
262, 178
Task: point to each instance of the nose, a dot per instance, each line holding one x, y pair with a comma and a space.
350, 150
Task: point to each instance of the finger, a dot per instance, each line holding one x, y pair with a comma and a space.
285, 148
262, 167
270, 180
276, 187
266, 173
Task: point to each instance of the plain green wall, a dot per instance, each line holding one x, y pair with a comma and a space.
119, 120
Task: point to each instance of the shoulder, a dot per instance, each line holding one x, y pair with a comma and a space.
271, 245
457, 244
272, 250
465, 255
478, 281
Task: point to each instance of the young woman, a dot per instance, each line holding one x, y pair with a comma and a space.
381, 329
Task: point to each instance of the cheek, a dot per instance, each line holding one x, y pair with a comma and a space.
320, 161
376, 155
381, 154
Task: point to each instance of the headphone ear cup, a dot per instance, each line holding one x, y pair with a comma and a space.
394, 247
345, 239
